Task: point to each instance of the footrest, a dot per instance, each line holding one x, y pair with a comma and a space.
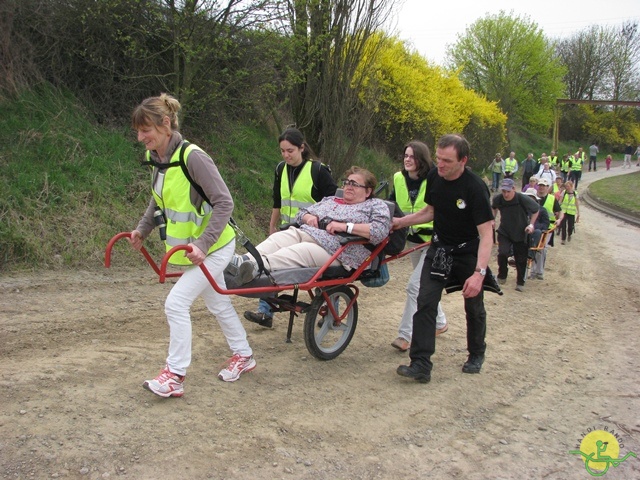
285, 303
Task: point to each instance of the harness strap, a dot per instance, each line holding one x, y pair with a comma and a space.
242, 238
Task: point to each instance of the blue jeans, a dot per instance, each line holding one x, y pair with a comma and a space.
496, 180
264, 307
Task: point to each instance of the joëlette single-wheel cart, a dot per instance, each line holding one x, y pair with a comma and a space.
331, 314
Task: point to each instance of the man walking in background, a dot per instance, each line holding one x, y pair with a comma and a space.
529, 165
628, 151
575, 171
510, 165
515, 210
593, 153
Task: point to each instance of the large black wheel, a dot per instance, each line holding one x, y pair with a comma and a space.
327, 337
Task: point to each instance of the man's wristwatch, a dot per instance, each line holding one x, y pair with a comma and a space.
350, 228
481, 271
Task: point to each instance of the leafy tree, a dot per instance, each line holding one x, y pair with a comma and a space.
416, 100
625, 60
586, 56
602, 64
509, 60
113, 53
329, 38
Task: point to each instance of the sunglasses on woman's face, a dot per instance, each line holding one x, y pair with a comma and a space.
352, 183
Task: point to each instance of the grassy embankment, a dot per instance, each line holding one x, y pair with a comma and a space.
68, 185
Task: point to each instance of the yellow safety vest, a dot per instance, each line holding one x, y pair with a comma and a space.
184, 222
564, 164
568, 203
296, 197
548, 204
577, 162
510, 165
553, 161
404, 202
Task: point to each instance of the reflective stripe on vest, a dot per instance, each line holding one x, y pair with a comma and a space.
404, 202
510, 165
300, 197
184, 223
548, 205
569, 203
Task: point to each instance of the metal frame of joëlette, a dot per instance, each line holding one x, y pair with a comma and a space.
313, 282
291, 306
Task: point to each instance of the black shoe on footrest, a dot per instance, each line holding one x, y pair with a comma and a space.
261, 319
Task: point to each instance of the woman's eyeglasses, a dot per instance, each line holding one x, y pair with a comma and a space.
406, 155
352, 183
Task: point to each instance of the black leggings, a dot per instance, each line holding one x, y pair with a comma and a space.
568, 225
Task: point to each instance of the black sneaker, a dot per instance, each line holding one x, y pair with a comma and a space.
473, 363
261, 319
411, 371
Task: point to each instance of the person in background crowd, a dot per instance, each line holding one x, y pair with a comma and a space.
565, 166
299, 182
529, 168
409, 188
497, 171
638, 156
593, 155
202, 224
554, 210
533, 183
571, 208
459, 206
515, 211
607, 162
546, 172
575, 172
628, 151
510, 165
541, 223
558, 188
544, 159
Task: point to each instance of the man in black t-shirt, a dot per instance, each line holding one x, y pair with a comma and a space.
458, 203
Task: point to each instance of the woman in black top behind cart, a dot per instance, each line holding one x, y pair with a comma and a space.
304, 187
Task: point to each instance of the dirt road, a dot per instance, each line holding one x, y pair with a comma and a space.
562, 358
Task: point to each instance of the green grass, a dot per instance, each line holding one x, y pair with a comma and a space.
68, 185
620, 191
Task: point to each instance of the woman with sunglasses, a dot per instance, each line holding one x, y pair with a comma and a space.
315, 241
